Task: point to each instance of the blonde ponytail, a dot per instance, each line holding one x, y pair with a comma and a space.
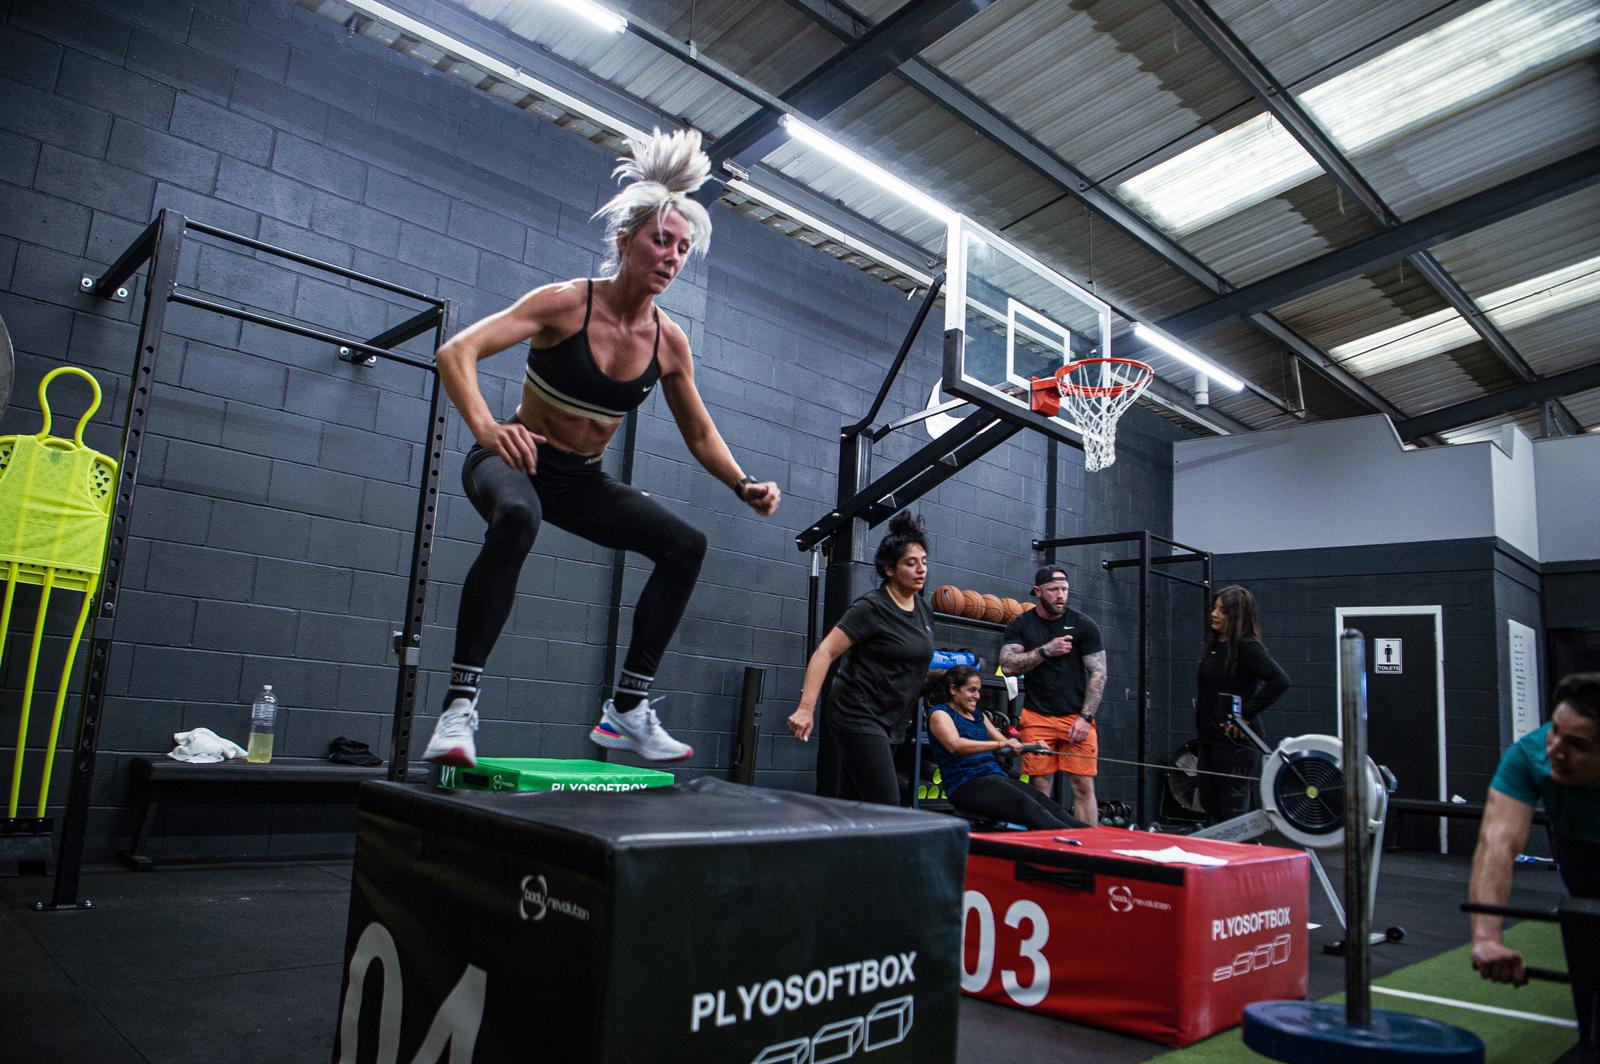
661, 171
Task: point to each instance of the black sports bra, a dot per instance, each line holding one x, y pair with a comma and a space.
565, 376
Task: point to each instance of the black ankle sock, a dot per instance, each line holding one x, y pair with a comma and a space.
631, 690
464, 680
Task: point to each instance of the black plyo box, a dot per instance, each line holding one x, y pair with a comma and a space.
702, 922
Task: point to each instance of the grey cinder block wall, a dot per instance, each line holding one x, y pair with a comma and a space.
272, 524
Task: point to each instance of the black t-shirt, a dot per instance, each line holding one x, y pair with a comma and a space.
881, 676
1255, 677
1055, 686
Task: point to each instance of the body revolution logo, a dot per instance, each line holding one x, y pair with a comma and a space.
534, 901
1122, 900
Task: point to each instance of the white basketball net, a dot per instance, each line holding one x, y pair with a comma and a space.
1094, 394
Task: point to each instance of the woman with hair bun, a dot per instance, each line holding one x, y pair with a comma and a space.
596, 350
886, 640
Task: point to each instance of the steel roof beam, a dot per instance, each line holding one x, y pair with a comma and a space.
1502, 402
999, 130
1482, 209
1279, 102
858, 66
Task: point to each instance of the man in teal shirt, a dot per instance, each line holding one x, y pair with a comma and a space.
1557, 766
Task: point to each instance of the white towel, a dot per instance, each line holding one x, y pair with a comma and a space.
1174, 855
202, 746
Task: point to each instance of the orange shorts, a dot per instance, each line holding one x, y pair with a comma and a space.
1080, 759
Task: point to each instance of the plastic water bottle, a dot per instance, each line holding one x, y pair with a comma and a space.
263, 720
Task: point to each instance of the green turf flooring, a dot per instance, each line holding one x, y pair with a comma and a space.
1506, 1039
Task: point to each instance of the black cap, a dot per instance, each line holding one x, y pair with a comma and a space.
1046, 574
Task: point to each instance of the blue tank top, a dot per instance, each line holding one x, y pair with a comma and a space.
953, 770
565, 376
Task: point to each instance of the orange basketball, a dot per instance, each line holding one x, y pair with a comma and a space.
972, 605
1012, 608
992, 610
948, 599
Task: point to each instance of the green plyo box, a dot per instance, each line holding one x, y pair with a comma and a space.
550, 774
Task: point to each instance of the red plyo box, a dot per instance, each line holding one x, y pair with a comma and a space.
1168, 952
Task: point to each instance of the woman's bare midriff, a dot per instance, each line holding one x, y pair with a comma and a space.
563, 431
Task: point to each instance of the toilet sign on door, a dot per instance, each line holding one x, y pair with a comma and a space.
1386, 655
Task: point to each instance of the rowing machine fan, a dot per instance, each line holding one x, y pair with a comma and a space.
1183, 781
1302, 790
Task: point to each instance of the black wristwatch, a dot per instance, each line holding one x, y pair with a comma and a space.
738, 489
1087, 718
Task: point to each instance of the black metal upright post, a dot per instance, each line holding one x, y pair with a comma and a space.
747, 728
1144, 672
846, 555
813, 596
410, 644
163, 242
1052, 493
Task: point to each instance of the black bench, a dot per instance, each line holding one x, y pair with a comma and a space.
160, 776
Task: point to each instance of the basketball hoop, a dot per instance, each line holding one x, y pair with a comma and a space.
1102, 389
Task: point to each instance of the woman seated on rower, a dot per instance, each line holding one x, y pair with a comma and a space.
964, 745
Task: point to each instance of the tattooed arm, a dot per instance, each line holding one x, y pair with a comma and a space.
1095, 685
1014, 660
1094, 690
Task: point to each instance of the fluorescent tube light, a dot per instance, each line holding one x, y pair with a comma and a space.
422, 31
602, 17
1444, 330
838, 236
821, 142
1163, 342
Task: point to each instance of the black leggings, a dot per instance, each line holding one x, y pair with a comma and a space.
999, 797
1221, 798
575, 495
859, 766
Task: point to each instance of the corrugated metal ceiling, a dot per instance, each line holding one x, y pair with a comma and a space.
1111, 88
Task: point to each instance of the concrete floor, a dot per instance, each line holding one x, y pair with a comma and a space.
242, 965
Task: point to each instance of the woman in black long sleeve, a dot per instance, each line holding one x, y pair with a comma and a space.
1235, 662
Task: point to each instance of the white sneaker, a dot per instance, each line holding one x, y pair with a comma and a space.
638, 730
453, 741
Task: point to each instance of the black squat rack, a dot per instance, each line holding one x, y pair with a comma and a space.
162, 245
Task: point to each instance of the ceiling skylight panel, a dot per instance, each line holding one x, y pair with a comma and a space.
1444, 330
1403, 344
1449, 69
1240, 166
1425, 80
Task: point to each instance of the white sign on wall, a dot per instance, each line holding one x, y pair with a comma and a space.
1386, 656
1524, 679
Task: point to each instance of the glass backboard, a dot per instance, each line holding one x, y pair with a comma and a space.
1009, 319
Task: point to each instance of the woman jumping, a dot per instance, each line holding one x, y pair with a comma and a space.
597, 348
